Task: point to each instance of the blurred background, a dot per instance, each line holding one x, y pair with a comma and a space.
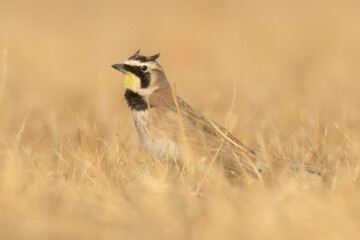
281, 57
291, 69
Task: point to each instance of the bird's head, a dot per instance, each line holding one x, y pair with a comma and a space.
142, 75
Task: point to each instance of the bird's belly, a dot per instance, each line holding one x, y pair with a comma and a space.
154, 141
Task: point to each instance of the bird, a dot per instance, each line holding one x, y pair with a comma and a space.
173, 131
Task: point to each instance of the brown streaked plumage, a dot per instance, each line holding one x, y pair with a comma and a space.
169, 128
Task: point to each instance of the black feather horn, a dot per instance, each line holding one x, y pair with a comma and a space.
153, 58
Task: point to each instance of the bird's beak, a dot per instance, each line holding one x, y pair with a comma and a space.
119, 67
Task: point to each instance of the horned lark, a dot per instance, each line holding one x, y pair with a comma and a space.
171, 129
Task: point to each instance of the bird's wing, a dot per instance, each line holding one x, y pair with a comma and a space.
216, 140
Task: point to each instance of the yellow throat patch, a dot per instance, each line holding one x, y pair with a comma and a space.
131, 81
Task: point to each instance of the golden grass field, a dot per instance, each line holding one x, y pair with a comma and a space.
71, 163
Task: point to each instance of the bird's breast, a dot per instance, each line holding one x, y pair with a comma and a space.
153, 138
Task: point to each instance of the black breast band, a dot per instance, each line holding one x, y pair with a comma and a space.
135, 101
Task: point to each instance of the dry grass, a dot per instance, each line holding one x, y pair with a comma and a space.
71, 164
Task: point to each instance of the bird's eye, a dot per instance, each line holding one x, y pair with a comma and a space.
144, 68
